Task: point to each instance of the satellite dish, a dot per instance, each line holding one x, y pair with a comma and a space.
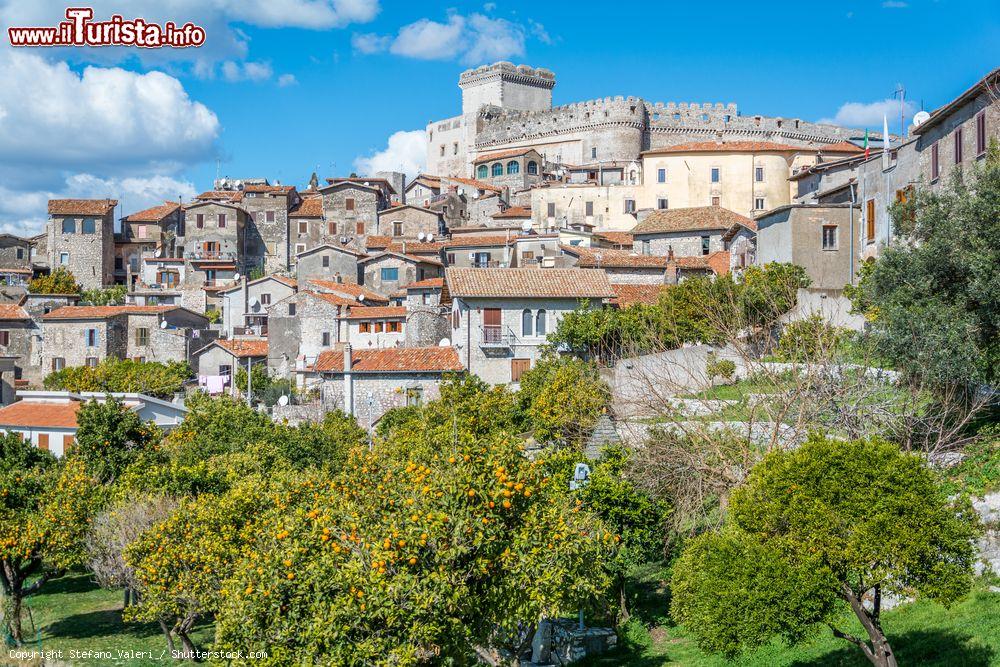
236, 277
159, 252
282, 400
163, 324
430, 237
475, 195
254, 303
444, 343
343, 239
420, 236
920, 118
526, 226
361, 297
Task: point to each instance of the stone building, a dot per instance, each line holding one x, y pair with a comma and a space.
740, 241
584, 206
375, 326
353, 205
410, 222
217, 363
80, 238
301, 326
507, 107
17, 334
329, 262
348, 290
214, 252
369, 383
501, 317
512, 171
479, 251
244, 306
422, 190
388, 272
164, 333
160, 282
427, 322
145, 235
684, 232
621, 266
267, 207
83, 336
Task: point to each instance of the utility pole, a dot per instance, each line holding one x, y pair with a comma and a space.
901, 92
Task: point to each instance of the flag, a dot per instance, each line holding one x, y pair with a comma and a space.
885, 134
867, 150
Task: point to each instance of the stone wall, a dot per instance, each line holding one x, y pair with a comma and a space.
412, 222
426, 326
90, 257
683, 244
67, 339
339, 263
356, 223
267, 240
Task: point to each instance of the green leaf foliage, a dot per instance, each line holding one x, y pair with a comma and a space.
161, 380
59, 281
107, 296
110, 437
562, 398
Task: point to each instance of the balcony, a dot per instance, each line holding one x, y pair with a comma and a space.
218, 282
491, 264
210, 255
496, 337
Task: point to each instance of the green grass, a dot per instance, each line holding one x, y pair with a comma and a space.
922, 633
73, 614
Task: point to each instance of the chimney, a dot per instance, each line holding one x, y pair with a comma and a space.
404, 246
670, 254
348, 381
347, 358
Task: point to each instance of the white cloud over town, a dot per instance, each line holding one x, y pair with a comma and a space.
406, 151
472, 39
869, 114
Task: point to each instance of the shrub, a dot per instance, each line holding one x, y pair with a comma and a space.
808, 340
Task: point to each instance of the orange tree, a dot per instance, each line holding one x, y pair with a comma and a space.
398, 559
45, 509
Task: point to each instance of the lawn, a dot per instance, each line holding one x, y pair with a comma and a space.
922, 633
73, 614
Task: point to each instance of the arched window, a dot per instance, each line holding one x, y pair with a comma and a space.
526, 322
532, 167
513, 167
540, 323
482, 171
498, 169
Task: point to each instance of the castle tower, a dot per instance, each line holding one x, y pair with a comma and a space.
509, 86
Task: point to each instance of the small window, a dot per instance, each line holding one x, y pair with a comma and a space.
451, 259
589, 208
91, 362
442, 150
365, 327
645, 247
706, 244
64, 258
269, 216
533, 168
513, 167
58, 363
758, 174
4, 338
550, 209
222, 220
980, 133
661, 175
291, 310
454, 148
425, 298
661, 203
326, 261
829, 237
199, 220
20, 253
379, 326
497, 169
359, 228
142, 337
349, 203
397, 228
540, 323
225, 369
526, 322
935, 162
482, 171
326, 339
89, 226
758, 203
393, 327
389, 273
303, 227
90, 336
958, 145
716, 174
593, 153
715, 201
414, 397
870, 220
331, 228
630, 206
68, 226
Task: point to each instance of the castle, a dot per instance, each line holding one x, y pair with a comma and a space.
507, 106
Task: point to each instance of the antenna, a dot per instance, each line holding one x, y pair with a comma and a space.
901, 91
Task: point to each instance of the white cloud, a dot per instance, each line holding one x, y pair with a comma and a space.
248, 71
406, 152
539, 31
287, 80
861, 114
895, 4
473, 39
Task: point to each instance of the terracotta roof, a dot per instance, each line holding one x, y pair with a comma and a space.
616, 238
12, 312
281, 189
81, 206
102, 312
378, 241
309, 207
285, 280
513, 212
352, 289
473, 182
244, 347
429, 283
154, 214
334, 299
375, 312
731, 146
475, 241
230, 195
363, 181
841, 147
391, 359
627, 295
551, 283
735, 228
716, 262
421, 259
613, 259
426, 179
36, 413
688, 220
504, 154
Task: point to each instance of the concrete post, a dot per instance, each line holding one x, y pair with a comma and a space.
348, 382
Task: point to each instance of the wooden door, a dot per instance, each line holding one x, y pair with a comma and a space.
518, 367
491, 325
43, 441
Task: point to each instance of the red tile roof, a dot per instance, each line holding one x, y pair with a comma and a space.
609, 258
309, 207
513, 212
716, 262
351, 289
376, 312
516, 152
285, 280
102, 312
226, 195
40, 414
377, 241
244, 347
429, 283
542, 283
615, 238
282, 189
154, 214
477, 241
473, 182
391, 359
627, 295
841, 147
334, 299
12, 312
81, 206
699, 218
362, 181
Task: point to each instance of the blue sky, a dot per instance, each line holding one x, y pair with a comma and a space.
282, 87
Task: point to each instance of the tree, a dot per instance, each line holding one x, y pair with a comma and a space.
829, 523
562, 398
260, 381
809, 340
933, 299
107, 296
44, 510
110, 437
60, 281
154, 378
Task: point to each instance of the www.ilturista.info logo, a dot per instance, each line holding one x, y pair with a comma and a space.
79, 30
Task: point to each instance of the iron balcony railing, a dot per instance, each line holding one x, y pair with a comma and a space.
495, 336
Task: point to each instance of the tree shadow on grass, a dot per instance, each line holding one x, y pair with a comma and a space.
927, 648
69, 583
100, 623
